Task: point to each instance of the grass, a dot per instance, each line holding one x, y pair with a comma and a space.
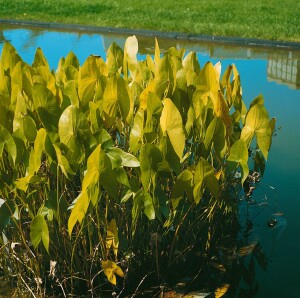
272, 19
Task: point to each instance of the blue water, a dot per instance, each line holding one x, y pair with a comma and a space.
282, 99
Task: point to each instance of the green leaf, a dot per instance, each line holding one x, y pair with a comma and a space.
73, 128
100, 169
239, 156
9, 58
158, 86
148, 206
104, 138
205, 176
39, 147
39, 232
63, 162
71, 93
171, 124
78, 211
7, 209
154, 109
257, 123
150, 157
39, 59
71, 59
47, 107
190, 62
136, 133
216, 134
88, 77
116, 101
29, 128
136, 209
114, 59
7, 142
166, 71
6, 117
127, 159
183, 184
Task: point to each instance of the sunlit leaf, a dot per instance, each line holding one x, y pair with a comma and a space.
171, 124
136, 133
220, 292
78, 211
157, 86
190, 62
63, 162
130, 52
239, 156
88, 76
71, 59
114, 59
9, 58
111, 269
126, 159
116, 99
154, 109
257, 123
39, 59
72, 127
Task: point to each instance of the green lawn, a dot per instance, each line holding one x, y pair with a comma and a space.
265, 19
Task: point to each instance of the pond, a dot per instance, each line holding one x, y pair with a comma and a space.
275, 74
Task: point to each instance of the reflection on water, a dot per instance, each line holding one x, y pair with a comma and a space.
283, 67
271, 263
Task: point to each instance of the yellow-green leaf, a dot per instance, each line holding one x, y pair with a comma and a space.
130, 60
136, 133
116, 99
114, 59
171, 124
205, 176
111, 269
239, 156
79, 210
39, 232
257, 123
112, 238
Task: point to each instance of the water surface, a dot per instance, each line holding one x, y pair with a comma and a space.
275, 74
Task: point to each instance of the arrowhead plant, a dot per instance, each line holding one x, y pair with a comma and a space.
118, 162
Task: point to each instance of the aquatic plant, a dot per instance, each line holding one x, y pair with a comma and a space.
118, 171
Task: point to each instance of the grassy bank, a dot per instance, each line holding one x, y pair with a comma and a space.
273, 19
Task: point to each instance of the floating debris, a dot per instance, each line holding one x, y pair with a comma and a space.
247, 250
272, 223
278, 214
220, 292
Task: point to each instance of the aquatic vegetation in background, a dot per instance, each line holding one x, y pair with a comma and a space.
118, 172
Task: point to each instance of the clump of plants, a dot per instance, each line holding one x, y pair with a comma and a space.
118, 172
